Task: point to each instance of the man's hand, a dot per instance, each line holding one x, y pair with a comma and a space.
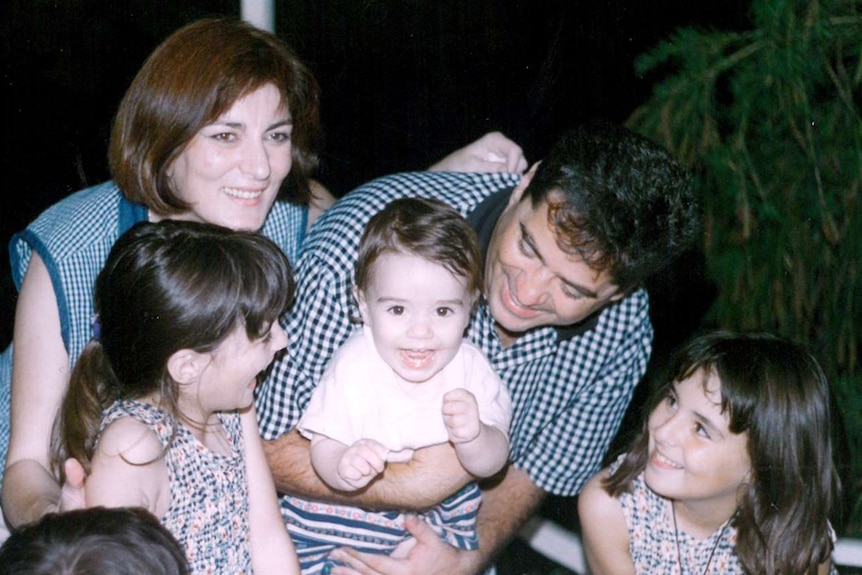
493, 152
461, 416
362, 462
430, 556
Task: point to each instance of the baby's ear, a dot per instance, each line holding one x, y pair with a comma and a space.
359, 296
186, 365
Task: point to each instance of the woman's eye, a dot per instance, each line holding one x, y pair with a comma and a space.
224, 137
280, 137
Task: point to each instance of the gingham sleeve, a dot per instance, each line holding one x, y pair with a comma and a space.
317, 325
561, 449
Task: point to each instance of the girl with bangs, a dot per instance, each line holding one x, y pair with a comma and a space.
732, 473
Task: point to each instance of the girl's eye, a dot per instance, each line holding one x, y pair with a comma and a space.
701, 431
670, 399
444, 311
396, 310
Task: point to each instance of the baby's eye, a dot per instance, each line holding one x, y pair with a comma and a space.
396, 310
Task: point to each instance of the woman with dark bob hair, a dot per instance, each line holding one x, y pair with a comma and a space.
221, 126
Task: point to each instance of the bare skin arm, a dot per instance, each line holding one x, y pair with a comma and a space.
271, 547
40, 377
603, 530
493, 152
433, 474
505, 508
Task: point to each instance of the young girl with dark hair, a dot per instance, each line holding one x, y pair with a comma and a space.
160, 403
732, 473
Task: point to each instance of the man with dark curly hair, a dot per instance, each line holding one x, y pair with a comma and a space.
564, 321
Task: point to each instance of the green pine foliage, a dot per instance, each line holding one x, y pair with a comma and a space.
770, 121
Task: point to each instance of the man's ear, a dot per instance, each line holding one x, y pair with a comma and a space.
518, 192
186, 365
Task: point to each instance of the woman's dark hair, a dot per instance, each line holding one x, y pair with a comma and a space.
424, 227
94, 541
776, 392
192, 78
165, 287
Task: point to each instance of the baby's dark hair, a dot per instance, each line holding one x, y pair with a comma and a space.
165, 287
775, 391
424, 227
94, 541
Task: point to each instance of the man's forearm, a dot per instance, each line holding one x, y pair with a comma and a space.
432, 475
506, 507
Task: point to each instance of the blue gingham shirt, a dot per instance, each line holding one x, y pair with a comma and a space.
570, 388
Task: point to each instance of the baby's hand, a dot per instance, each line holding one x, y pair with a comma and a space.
461, 416
361, 463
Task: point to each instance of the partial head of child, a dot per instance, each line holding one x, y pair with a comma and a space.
95, 541
740, 435
168, 291
418, 276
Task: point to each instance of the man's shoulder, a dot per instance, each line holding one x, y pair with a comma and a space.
335, 236
461, 190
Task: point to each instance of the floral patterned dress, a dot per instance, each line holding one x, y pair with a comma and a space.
208, 510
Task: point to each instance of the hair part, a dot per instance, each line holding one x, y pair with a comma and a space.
617, 200
427, 228
193, 77
165, 287
775, 392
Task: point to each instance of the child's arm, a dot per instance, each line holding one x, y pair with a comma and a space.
129, 469
482, 449
347, 468
603, 530
271, 548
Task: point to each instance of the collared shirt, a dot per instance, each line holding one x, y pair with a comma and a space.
570, 388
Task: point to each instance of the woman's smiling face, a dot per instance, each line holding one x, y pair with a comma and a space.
231, 171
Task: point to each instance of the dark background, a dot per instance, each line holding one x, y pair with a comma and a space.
403, 83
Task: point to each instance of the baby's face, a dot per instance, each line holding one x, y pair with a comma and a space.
417, 312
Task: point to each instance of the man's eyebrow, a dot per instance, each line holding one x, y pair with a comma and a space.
528, 239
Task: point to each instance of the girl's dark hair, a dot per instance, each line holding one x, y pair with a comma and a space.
424, 227
166, 286
94, 541
776, 392
192, 78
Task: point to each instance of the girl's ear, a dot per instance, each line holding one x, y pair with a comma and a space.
186, 365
